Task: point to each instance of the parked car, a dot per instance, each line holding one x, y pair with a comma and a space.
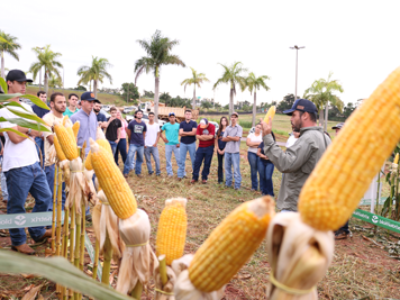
216, 126
106, 107
127, 110
105, 113
145, 118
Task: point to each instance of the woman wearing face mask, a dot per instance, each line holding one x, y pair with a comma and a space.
220, 147
253, 141
121, 147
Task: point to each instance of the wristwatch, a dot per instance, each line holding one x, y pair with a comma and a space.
29, 131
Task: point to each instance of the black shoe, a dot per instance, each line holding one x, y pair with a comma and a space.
341, 235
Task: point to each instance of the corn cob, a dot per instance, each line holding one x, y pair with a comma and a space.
171, 234
67, 143
396, 159
102, 143
231, 244
342, 176
113, 183
59, 151
75, 129
270, 113
88, 162
65, 120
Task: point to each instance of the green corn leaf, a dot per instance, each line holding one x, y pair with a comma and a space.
27, 115
36, 101
3, 85
26, 124
13, 130
13, 103
6, 97
59, 270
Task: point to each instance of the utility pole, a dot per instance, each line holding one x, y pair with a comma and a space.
297, 48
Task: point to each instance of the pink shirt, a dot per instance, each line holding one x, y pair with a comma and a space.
123, 128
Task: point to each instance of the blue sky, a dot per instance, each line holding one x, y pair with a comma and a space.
356, 40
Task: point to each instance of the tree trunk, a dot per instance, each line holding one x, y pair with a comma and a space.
194, 97
95, 88
156, 95
46, 81
321, 117
2, 67
326, 115
40, 78
254, 108
231, 103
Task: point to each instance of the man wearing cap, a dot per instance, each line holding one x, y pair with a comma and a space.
88, 120
301, 158
232, 136
171, 141
101, 118
187, 131
205, 133
22, 169
40, 112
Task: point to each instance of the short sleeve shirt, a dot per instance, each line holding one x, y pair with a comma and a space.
231, 146
188, 127
137, 130
40, 112
101, 117
172, 133
112, 130
151, 134
210, 130
49, 156
69, 113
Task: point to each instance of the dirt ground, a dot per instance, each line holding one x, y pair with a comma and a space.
361, 269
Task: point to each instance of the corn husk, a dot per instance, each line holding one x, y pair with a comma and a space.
76, 186
109, 223
164, 291
138, 260
88, 187
299, 256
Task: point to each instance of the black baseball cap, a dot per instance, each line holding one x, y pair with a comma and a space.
302, 105
89, 96
338, 126
17, 75
171, 114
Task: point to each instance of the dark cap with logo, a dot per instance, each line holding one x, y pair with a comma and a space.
338, 126
302, 105
171, 114
17, 75
89, 96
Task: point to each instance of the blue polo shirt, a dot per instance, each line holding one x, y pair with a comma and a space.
88, 127
101, 117
40, 112
188, 127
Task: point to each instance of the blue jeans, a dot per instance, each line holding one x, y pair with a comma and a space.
4, 190
232, 159
49, 170
266, 171
344, 228
183, 151
133, 149
220, 167
40, 145
113, 146
20, 182
168, 156
152, 151
121, 148
203, 153
253, 160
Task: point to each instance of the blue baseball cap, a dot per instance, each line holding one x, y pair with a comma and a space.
302, 105
89, 96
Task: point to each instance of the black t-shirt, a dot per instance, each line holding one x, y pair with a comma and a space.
188, 127
112, 130
261, 146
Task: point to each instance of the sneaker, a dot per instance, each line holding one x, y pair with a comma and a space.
45, 236
126, 176
158, 174
193, 181
341, 235
204, 181
179, 179
24, 249
151, 174
139, 175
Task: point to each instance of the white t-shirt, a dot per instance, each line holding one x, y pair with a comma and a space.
291, 140
49, 150
254, 138
151, 134
17, 155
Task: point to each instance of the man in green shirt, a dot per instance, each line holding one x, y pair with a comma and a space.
72, 100
171, 142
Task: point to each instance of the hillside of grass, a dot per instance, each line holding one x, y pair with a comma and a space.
104, 98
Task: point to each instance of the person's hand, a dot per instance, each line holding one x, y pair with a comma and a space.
155, 145
178, 145
112, 119
117, 141
35, 133
165, 140
266, 126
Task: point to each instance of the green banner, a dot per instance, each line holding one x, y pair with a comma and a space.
40, 219
377, 220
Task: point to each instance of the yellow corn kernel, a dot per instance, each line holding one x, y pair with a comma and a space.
231, 244
112, 181
105, 144
65, 120
59, 152
171, 234
67, 143
88, 162
396, 158
270, 113
343, 175
75, 129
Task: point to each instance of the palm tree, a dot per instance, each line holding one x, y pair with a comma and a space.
253, 84
321, 93
196, 79
8, 45
96, 72
47, 59
158, 53
55, 82
232, 76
